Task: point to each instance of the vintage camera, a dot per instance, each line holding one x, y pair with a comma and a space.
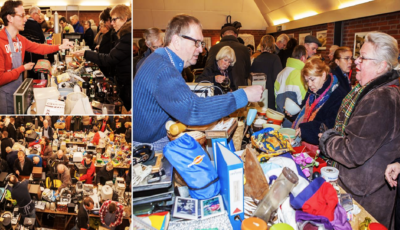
66, 85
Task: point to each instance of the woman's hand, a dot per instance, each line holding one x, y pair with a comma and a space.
65, 46
29, 65
219, 78
391, 173
298, 132
287, 113
79, 53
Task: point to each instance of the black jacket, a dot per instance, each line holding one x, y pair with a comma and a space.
105, 47
209, 74
5, 142
20, 193
11, 157
51, 133
326, 114
284, 55
103, 175
89, 38
241, 69
28, 167
83, 217
33, 32
3, 166
343, 80
120, 59
270, 64
12, 132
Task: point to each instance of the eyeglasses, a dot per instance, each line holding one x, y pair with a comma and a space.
347, 58
20, 15
114, 19
363, 58
197, 43
156, 47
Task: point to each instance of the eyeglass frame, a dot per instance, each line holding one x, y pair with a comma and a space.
22, 15
363, 58
115, 19
197, 43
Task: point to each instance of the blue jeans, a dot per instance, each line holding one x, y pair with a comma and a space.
30, 215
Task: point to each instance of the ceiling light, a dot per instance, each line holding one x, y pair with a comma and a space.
99, 3
280, 21
51, 3
305, 15
353, 3
128, 4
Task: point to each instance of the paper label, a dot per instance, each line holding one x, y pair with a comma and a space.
236, 191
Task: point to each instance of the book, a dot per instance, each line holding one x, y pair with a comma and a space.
158, 220
230, 172
188, 208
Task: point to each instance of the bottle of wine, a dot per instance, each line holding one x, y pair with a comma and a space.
92, 95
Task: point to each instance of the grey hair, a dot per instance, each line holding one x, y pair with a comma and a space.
385, 49
74, 17
228, 52
282, 37
151, 35
34, 9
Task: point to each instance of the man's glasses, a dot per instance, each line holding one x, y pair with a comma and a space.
114, 19
197, 43
20, 15
364, 58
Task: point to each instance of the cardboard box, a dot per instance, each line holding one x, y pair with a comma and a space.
23, 96
35, 192
37, 172
212, 133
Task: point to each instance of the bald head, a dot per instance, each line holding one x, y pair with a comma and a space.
61, 168
60, 154
45, 124
8, 149
36, 160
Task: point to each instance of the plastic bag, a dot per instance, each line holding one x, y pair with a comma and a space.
194, 165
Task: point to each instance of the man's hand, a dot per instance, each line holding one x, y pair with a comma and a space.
65, 46
219, 78
29, 65
17, 172
56, 194
254, 93
79, 53
391, 173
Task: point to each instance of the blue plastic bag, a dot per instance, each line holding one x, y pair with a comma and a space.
187, 156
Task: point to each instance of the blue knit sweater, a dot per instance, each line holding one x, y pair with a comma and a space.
161, 94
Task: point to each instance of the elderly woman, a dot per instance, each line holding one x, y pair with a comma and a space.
270, 64
21, 133
366, 136
120, 57
221, 72
321, 103
341, 67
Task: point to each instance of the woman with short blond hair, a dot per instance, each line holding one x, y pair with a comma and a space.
221, 72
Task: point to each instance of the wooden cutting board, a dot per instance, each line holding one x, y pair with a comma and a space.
157, 165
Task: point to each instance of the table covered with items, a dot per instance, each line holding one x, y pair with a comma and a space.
241, 172
96, 164
70, 85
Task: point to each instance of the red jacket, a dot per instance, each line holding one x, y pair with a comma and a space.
6, 74
96, 138
89, 173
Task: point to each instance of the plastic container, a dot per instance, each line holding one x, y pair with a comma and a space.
254, 223
42, 94
281, 226
277, 193
274, 117
275, 127
72, 99
291, 106
108, 109
288, 132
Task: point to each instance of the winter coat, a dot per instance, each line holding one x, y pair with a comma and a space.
241, 69
343, 80
28, 167
103, 175
209, 74
5, 142
270, 64
89, 38
326, 114
88, 177
370, 142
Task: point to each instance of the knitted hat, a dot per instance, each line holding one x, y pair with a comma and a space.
226, 28
318, 198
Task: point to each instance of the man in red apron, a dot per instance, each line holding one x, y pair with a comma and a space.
12, 51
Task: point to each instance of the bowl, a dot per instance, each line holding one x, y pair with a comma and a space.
291, 106
275, 127
288, 132
274, 117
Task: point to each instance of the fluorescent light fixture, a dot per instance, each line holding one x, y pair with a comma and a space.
128, 4
353, 3
52, 3
281, 21
305, 15
95, 3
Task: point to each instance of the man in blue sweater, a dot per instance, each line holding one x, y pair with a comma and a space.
161, 94
75, 23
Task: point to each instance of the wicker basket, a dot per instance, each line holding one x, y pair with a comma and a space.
197, 135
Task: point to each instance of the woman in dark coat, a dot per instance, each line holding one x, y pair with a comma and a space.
287, 53
89, 35
269, 64
120, 57
321, 103
341, 67
21, 133
221, 71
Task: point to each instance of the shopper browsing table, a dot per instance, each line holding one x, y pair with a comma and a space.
105, 174
64, 176
91, 169
12, 52
111, 214
23, 166
20, 193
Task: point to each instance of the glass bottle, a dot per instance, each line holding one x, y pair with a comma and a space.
92, 93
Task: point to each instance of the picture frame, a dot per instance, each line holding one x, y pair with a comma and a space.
290, 36
358, 42
211, 207
321, 36
302, 37
186, 208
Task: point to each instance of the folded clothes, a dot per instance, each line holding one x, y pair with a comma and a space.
339, 223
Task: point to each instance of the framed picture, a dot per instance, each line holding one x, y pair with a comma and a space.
321, 36
358, 42
290, 35
302, 37
186, 208
211, 207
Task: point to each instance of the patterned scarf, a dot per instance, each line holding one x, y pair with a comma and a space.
314, 103
347, 107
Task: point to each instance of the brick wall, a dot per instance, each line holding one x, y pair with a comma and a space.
83, 15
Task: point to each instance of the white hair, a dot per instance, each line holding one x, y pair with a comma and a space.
385, 49
74, 17
282, 37
34, 9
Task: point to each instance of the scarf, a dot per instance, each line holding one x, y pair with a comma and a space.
347, 107
315, 102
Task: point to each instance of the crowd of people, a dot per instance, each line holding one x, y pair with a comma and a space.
352, 121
